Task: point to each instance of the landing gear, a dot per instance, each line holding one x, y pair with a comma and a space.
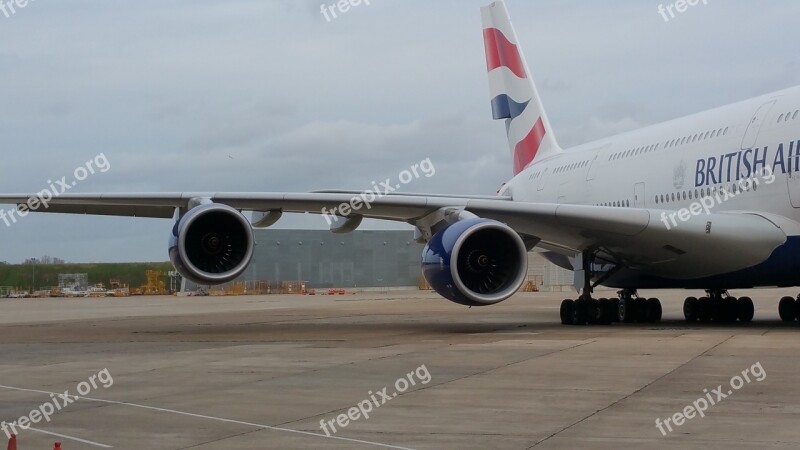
605, 311
720, 307
583, 311
588, 311
632, 308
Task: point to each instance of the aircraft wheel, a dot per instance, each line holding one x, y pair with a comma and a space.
594, 311
614, 309
566, 312
787, 309
691, 309
627, 310
641, 310
580, 313
729, 309
704, 310
654, 310
607, 313
745, 310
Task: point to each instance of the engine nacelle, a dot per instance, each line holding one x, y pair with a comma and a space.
211, 244
475, 262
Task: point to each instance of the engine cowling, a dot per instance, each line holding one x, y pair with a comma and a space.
211, 244
475, 262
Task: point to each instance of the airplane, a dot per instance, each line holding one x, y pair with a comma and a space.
708, 202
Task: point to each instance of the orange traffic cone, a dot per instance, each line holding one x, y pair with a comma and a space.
12, 443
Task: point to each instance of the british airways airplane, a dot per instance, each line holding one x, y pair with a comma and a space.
719, 210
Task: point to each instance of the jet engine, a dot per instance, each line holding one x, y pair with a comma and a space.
211, 244
475, 262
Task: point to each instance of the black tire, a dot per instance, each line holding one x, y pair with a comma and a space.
566, 312
717, 310
654, 310
787, 309
594, 312
626, 311
606, 312
614, 309
704, 310
797, 308
580, 312
691, 309
641, 310
730, 309
745, 310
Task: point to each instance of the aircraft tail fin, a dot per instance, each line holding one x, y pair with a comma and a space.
513, 93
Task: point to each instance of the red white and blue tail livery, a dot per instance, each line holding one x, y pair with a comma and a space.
513, 92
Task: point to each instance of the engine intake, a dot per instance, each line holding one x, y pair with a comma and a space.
211, 244
475, 262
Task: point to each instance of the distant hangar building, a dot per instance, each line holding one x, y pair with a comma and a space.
368, 258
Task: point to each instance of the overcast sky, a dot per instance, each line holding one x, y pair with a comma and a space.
266, 95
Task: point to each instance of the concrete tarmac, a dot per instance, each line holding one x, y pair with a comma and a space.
263, 372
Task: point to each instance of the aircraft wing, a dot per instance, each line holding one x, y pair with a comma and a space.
704, 245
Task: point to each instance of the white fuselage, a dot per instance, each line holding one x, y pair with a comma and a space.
669, 167
676, 159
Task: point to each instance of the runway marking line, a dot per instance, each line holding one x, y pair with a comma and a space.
72, 438
202, 416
